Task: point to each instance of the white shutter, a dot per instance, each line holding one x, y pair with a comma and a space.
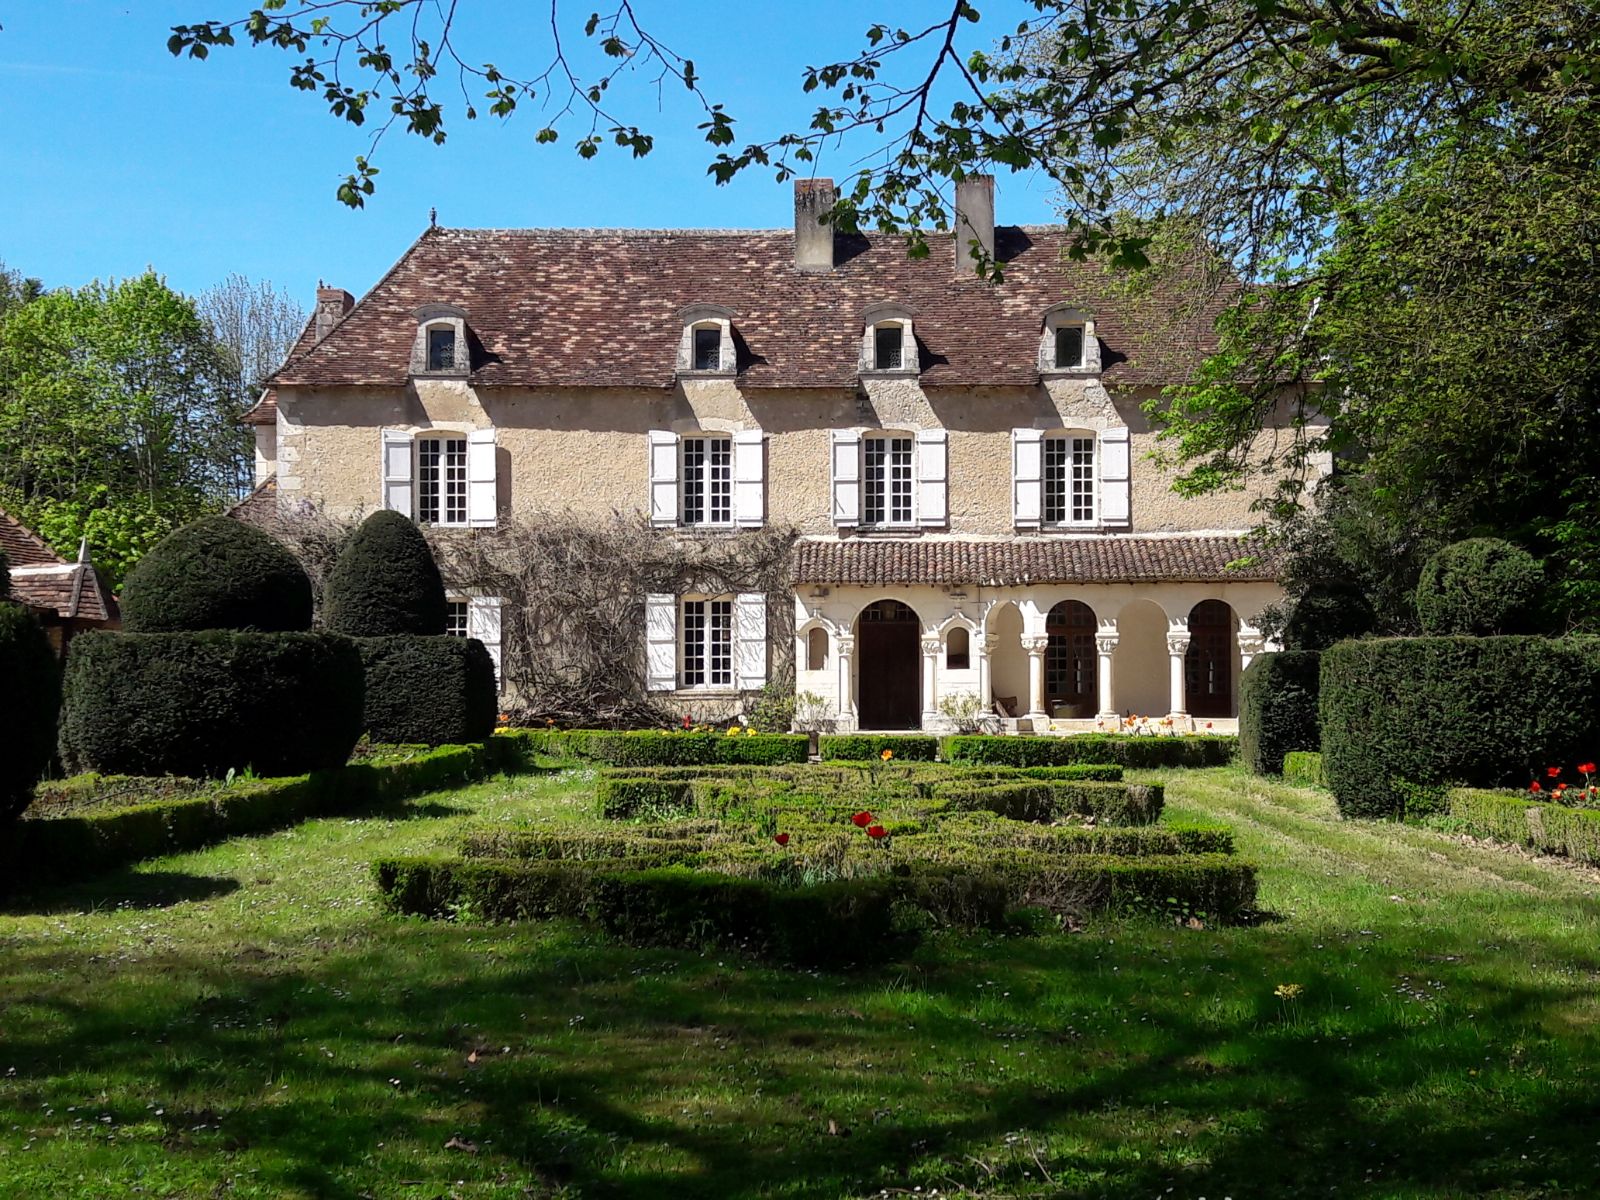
483, 623
933, 495
661, 641
846, 477
749, 478
482, 501
663, 477
399, 494
1027, 472
1115, 481
750, 628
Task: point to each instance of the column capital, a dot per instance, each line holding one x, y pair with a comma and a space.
1251, 644
846, 643
1177, 643
1036, 645
1106, 643
989, 643
932, 644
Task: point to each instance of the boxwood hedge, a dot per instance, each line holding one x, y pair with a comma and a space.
199, 704
1406, 717
1202, 750
1278, 708
1040, 800
431, 691
385, 582
30, 700
1546, 828
660, 748
858, 747
216, 573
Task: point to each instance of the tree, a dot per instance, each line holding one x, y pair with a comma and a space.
256, 326
117, 420
17, 289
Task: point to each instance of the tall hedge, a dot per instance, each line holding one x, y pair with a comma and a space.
199, 704
216, 573
1402, 718
1327, 613
1480, 587
385, 582
1278, 708
30, 699
433, 690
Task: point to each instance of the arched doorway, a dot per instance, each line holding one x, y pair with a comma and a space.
1070, 662
1208, 665
887, 636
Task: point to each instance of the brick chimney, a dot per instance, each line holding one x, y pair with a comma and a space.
332, 304
974, 220
813, 241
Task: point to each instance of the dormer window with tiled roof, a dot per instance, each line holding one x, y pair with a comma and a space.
1067, 343
888, 343
440, 347
706, 345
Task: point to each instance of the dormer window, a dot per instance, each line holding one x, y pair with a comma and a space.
888, 345
441, 343
706, 346
1067, 343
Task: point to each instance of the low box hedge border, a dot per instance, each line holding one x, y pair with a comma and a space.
1042, 800
1304, 768
660, 748
860, 747
63, 849
1126, 750
1547, 828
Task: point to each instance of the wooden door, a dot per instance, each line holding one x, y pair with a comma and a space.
890, 665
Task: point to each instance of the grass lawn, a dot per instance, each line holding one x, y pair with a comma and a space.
241, 1022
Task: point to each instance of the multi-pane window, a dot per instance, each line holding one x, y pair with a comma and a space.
707, 643
886, 481
708, 348
455, 618
888, 343
441, 349
707, 477
1068, 480
1069, 346
442, 481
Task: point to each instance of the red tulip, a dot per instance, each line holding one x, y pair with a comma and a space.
1553, 772
862, 819
1534, 786
877, 831
1586, 768
781, 838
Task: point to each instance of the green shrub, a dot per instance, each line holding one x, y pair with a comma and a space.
1205, 750
619, 798
657, 748
1547, 828
432, 691
30, 701
385, 582
1104, 772
1479, 588
1278, 708
857, 747
1431, 712
1112, 803
216, 573
1304, 768
1327, 613
200, 704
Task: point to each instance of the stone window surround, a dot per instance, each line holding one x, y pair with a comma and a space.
440, 316
730, 648
1067, 434
706, 316
912, 521
1056, 317
889, 314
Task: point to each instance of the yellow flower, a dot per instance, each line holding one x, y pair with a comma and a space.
733, 731
750, 732
886, 755
1288, 991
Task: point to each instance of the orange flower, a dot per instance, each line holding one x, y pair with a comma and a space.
886, 755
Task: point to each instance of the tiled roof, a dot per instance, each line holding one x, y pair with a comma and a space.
1032, 560
264, 411
599, 308
22, 546
42, 579
259, 504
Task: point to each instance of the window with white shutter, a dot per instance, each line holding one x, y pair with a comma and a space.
707, 633
750, 628
749, 478
1068, 483
482, 500
483, 623
663, 477
1027, 465
442, 480
1116, 477
846, 477
705, 481
933, 478
887, 480
661, 641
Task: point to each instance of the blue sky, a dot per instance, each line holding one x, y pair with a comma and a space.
117, 156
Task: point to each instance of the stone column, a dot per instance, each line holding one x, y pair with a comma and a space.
845, 648
984, 649
1177, 647
1251, 643
1035, 646
931, 646
1106, 645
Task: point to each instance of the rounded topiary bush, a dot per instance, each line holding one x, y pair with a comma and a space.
30, 700
216, 573
1327, 613
202, 703
1278, 708
433, 690
1478, 588
385, 582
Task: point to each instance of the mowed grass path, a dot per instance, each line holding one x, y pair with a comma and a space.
242, 1022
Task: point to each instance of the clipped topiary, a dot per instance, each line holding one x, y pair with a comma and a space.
30, 699
1278, 708
216, 573
385, 582
1479, 588
201, 703
433, 690
1327, 613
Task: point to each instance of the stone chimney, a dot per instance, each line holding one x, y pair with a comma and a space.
974, 220
813, 241
332, 304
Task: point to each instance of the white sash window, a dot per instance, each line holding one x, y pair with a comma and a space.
442, 481
886, 480
1069, 480
706, 479
707, 643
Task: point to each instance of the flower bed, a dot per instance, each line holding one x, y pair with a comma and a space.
1547, 828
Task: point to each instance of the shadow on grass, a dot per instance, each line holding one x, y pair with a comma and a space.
124, 888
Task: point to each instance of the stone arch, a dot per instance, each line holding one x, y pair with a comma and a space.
1211, 661
1008, 661
1141, 666
1071, 663
888, 664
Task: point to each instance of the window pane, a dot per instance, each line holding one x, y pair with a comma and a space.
1083, 479
441, 349
707, 349
1055, 480
720, 668
707, 481
873, 454
428, 481
719, 479
694, 643
694, 481
900, 481
889, 343
455, 618
1069, 346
